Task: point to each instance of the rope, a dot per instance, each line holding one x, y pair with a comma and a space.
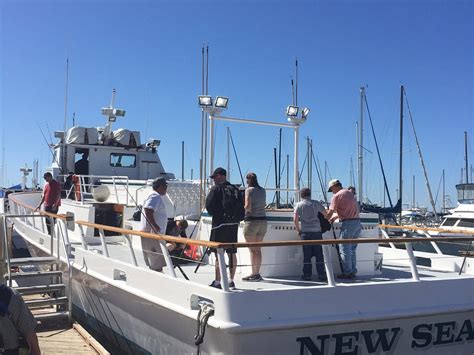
205, 312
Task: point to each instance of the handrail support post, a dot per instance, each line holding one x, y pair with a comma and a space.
223, 269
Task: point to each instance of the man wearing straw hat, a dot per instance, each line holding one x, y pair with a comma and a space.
344, 204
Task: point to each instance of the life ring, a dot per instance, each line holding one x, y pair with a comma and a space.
76, 180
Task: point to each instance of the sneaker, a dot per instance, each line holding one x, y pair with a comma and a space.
306, 277
215, 284
253, 278
231, 285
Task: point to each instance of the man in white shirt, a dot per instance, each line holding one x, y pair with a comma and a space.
154, 220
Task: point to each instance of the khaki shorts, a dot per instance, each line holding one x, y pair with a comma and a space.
256, 228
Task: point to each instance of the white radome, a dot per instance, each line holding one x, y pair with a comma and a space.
100, 193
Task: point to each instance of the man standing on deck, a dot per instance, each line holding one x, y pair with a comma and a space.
51, 197
223, 231
307, 211
344, 204
154, 220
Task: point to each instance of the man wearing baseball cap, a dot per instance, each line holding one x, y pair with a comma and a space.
344, 204
154, 220
222, 231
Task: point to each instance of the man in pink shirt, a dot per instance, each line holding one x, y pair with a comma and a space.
344, 204
51, 197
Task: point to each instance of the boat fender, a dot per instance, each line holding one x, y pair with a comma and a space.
100, 193
206, 310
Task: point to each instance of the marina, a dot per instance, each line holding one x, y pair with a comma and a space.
181, 214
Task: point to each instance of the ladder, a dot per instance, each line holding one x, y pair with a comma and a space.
38, 279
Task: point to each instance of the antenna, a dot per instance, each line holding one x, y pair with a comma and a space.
296, 77
65, 94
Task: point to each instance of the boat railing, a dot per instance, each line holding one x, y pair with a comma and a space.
59, 233
221, 247
83, 186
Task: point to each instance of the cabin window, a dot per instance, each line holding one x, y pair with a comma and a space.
466, 222
449, 222
119, 160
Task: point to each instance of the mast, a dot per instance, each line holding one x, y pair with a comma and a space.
413, 197
182, 160
279, 165
63, 158
360, 157
400, 181
425, 172
465, 158
287, 179
228, 154
444, 196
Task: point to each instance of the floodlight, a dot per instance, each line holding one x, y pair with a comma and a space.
221, 102
107, 111
305, 113
119, 112
205, 101
292, 111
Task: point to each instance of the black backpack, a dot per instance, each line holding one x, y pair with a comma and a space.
137, 214
325, 225
232, 203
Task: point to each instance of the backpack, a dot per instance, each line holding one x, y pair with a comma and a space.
233, 203
137, 215
325, 225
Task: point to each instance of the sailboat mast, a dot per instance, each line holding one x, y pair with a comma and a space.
360, 169
465, 158
400, 182
444, 195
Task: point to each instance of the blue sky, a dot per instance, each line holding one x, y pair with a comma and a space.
150, 52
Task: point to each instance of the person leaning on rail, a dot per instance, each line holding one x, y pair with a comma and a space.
16, 318
153, 220
344, 204
306, 212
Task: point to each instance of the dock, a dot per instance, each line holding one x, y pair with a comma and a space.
59, 337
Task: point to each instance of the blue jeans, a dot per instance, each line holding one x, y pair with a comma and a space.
313, 250
350, 229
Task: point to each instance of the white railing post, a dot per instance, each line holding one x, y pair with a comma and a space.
386, 236
223, 268
328, 265
413, 267
104, 244
433, 244
132, 252
83, 237
166, 254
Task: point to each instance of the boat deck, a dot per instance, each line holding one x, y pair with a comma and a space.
392, 271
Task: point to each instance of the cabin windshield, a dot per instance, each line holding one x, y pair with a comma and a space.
465, 193
466, 222
123, 160
448, 222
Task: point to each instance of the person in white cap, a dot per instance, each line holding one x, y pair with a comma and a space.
154, 220
344, 204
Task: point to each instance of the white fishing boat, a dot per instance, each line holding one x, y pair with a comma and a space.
461, 217
393, 306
